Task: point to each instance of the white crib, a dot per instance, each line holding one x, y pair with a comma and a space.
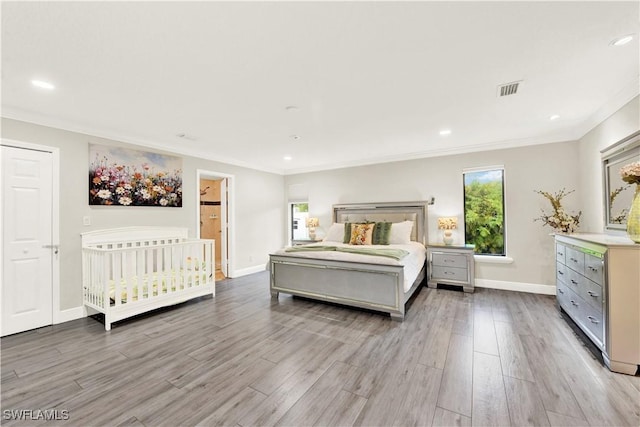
132, 270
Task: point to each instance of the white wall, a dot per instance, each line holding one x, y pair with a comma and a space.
547, 167
551, 167
619, 125
260, 204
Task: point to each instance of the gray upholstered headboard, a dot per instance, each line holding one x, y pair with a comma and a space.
389, 212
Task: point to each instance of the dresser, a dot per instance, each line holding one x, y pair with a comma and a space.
598, 286
451, 265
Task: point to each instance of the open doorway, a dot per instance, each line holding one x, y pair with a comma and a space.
215, 218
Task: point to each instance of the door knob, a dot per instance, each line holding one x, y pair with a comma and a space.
54, 247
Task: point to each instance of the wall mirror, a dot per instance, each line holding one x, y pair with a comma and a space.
618, 194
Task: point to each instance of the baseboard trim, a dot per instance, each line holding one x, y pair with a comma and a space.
534, 288
247, 271
70, 314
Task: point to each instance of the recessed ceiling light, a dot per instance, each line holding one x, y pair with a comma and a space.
288, 158
42, 84
554, 117
445, 132
620, 41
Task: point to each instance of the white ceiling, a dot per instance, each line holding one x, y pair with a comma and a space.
373, 81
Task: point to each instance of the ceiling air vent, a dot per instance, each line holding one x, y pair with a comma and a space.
508, 88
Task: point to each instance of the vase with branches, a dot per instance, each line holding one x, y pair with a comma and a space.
559, 219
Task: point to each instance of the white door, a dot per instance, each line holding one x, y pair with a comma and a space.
27, 186
224, 213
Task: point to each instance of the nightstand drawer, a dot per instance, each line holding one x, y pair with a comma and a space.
450, 273
449, 260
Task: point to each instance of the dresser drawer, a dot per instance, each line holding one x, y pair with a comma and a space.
592, 319
585, 316
575, 260
575, 280
591, 292
449, 260
450, 273
574, 305
562, 294
560, 252
561, 272
594, 268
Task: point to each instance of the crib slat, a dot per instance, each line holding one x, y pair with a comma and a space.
157, 265
117, 277
148, 274
97, 277
139, 268
104, 279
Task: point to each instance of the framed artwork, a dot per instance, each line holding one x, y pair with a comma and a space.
124, 177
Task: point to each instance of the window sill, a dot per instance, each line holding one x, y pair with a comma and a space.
487, 259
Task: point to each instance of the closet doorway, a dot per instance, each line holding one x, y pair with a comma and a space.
30, 296
215, 218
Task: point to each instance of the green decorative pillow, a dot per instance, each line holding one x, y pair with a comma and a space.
381, 233
347, 232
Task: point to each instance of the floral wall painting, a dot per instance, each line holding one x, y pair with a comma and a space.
124, 177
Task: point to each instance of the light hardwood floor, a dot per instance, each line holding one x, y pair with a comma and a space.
242, 359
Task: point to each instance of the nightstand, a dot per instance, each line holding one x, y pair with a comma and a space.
451, 265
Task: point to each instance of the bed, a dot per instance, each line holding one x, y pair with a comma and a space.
377, 283
133, 270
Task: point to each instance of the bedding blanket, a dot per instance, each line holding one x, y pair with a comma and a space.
396, 254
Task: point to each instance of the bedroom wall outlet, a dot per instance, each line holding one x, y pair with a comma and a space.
86, 220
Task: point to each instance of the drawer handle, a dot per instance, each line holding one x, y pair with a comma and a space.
573, 259
561, 291
449, 260
593, 269
449, 272
593, 319
574, 282
574, 303
560, 253
592, 294
561, 273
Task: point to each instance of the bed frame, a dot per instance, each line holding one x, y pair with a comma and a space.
120, 266
371, 286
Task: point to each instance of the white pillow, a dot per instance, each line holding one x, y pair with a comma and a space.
401, 233
335, 233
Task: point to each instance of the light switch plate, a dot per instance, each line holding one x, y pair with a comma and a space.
86, 220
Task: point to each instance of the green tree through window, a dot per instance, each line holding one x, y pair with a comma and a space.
484, 211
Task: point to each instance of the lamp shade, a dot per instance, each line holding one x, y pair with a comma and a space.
313, 222
447, 223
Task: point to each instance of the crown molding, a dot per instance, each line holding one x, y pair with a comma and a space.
44, 120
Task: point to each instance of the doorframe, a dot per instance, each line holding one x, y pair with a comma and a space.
56, 312
228, 250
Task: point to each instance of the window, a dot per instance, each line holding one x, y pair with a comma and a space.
484, 210
298, 214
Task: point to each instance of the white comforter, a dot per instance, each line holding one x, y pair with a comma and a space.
412, 263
